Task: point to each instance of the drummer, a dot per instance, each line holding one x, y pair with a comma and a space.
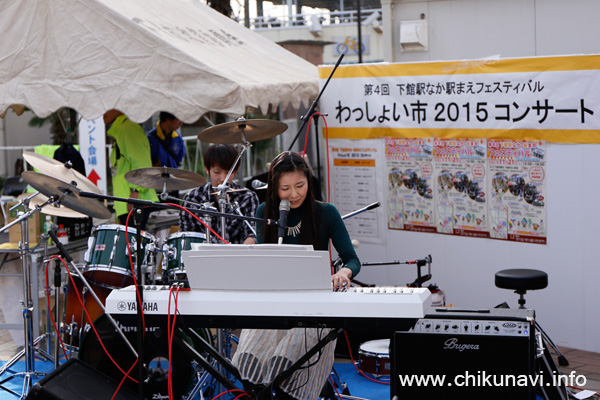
218, 160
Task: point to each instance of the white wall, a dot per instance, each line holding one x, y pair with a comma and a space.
467, 29
464, 267
18, 133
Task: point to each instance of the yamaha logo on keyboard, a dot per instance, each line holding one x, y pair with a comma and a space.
131, 306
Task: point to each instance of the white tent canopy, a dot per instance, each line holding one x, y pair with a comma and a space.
142, 56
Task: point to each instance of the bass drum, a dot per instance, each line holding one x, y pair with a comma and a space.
374, 357
74, 317
156, 357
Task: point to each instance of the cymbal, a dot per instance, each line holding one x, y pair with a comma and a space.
253, 130
58, 170
156, 177
60, 211
50, 186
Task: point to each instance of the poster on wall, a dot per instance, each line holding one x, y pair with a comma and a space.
356, 171
541, 98
410, 203
517, 182
461, 187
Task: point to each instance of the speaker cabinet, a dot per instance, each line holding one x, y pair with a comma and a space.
487, 355
77, 380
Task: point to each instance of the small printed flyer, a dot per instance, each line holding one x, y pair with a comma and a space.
410, 200
354, 177
517, 182
460, 187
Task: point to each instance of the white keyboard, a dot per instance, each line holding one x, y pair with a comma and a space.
378, 306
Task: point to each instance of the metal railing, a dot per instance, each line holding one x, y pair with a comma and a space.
337, 18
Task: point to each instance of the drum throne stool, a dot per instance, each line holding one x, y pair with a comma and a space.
521, 280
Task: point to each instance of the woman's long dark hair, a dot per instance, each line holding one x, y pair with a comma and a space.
291, 162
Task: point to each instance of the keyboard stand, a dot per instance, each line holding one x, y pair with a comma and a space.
257, 392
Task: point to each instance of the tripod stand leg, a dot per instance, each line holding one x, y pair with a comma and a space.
562, 360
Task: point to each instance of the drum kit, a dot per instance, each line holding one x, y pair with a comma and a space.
112, 248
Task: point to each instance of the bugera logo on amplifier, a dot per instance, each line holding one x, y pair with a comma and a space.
453, 344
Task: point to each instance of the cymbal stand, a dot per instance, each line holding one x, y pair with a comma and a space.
224, 187
236, 209
27, 303
223, 345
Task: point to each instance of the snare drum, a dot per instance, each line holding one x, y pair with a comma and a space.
374, 357
172, 264
107, 257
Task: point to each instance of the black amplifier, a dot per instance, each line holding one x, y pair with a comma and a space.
487, 354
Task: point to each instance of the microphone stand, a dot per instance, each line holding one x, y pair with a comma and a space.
362, 210
420, 263
311, 111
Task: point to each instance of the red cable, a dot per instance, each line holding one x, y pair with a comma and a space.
327, 147
139, 297
578, 388
354, 363
169, 344
170, 334
306, 138
334, 388
92, 324
231, 391
199, 220
243, 394
62, 345
123, 380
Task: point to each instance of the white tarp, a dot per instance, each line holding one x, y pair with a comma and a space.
142, 56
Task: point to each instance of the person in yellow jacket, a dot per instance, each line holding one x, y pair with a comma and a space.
131, 150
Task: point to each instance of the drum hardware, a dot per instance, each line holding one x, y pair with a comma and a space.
236, 209
27, 305
172, 264
55, 210
69, 260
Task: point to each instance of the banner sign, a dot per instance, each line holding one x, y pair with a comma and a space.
554, 99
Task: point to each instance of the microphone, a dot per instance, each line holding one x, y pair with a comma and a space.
284, 208
256, 184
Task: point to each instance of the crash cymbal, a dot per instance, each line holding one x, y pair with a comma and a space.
253, 130
72, 200
156, 177
60, 211
60, 171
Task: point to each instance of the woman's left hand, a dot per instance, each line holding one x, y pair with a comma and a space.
341, 279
